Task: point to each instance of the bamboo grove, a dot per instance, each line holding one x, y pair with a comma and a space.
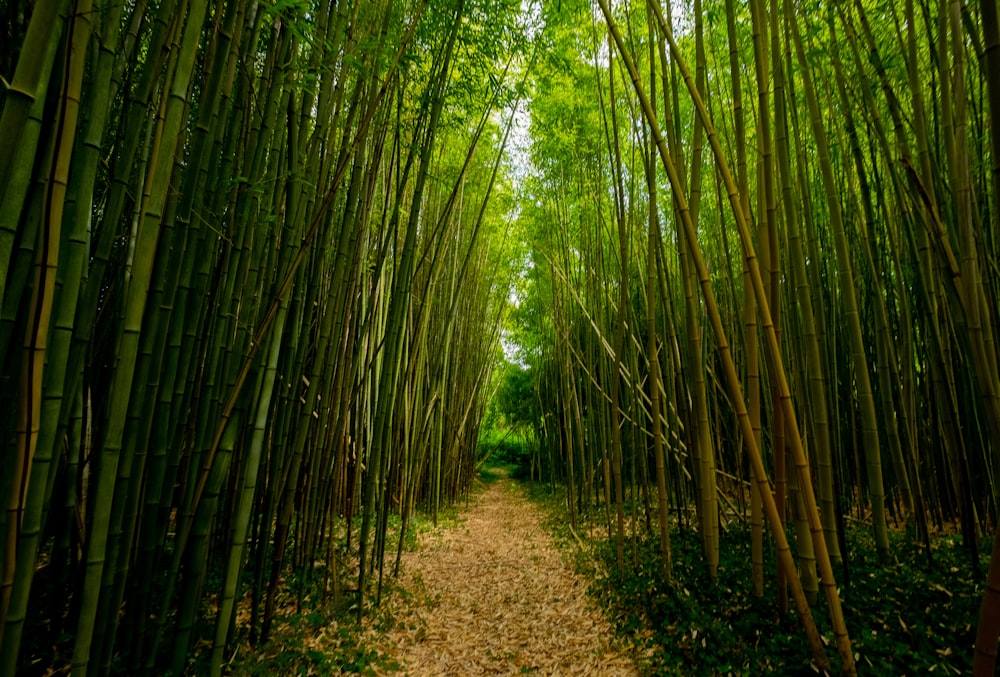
257, 260
763, 281
253, 263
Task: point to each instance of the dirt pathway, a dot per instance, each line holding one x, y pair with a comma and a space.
493, 596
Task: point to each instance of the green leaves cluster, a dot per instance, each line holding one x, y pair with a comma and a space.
903, 618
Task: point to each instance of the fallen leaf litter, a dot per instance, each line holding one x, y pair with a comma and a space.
493, 595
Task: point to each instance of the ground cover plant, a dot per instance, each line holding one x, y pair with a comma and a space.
905, 617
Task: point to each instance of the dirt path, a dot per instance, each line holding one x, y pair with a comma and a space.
493, 596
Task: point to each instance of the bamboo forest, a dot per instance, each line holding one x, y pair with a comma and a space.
706, 292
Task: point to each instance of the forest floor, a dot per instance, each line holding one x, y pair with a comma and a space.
493, 594
503, 586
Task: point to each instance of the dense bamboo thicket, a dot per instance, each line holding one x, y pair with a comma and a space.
253, 264
764, 279
256, 262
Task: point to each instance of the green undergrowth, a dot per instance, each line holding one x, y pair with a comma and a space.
313, 643
506, 451
904, 618
493, 472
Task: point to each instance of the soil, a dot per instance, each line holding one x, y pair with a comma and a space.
494, 595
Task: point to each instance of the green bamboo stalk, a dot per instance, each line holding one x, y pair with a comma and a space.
227, 602
21, 122
619, 336
652, 352
750, 339
36, 341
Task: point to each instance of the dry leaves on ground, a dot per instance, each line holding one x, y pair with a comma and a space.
493, 596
